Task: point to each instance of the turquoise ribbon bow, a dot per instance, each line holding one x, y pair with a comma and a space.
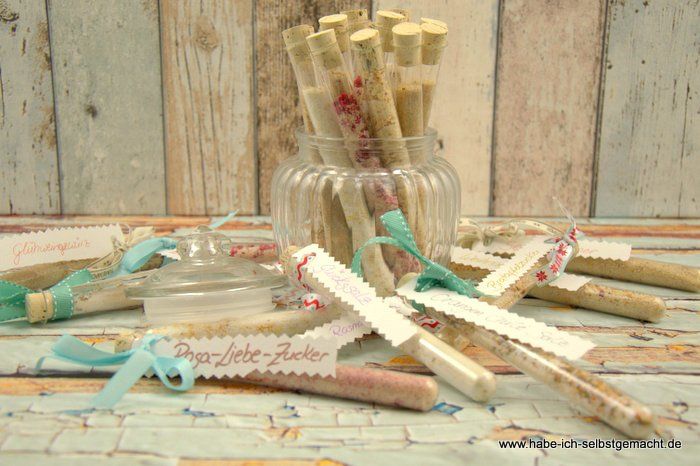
433, 273
135, 363
12, 296
138, 255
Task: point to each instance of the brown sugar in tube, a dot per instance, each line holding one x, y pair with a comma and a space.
590, 296
637, 270
434, 43
580, 387
379, 386
338, 122
330, 225
383, 122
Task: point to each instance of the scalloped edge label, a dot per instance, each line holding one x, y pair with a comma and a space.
57, 245
591, 248
486, 261
238, 356
505, 323
324, 275
496, 282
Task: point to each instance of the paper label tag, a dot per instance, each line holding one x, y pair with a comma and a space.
495, 283
595, 249
483, 260
345, 329
240, 355
56, 245
569, 281
316, 269
505, 323
598, 249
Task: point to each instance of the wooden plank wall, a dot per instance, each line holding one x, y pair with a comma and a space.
187, 107
650, 133
28, 160
547, 94
109, 107
208, 98
463, 113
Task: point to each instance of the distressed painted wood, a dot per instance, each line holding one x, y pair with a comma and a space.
649, 159
28, 160
546, 103
278, 114
224, 422
463, 106
106, 69
207, 59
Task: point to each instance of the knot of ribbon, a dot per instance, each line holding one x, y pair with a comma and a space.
433, 274
105, 266
478, 233
135, 364
138, 255
565, 247
13, 296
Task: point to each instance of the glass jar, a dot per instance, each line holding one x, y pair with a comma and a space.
333, 192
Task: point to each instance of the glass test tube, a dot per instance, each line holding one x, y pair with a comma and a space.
339, 24
434, 43
407, 84
386, 20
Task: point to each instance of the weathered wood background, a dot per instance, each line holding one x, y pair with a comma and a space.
187, 107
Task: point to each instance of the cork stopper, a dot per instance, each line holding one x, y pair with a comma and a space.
407, 44
437, 22
386, 20
339, 23
366, 43
357, 19
39, 306
325, 49
295, 41
406, 12
434, 42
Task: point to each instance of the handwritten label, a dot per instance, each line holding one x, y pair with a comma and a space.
323, 274
345, 329
598, 249
506, 274
240, 355
594, 249
56, 245
505, 323
483, 260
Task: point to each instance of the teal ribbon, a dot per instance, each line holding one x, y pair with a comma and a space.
138, 255
433, 273
135, 364
13, 296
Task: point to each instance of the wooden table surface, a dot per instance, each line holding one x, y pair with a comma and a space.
46, 419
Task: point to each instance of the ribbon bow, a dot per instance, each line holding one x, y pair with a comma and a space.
433, 273
12, 296
135, 364
565, 247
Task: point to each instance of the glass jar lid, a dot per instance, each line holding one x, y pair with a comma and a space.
205, 266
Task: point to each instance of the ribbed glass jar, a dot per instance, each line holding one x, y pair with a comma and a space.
333, 192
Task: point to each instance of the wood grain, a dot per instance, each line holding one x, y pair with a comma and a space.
463, 107
106, 70
278, 114
649, 159
546, 104
28, 160
208, 101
